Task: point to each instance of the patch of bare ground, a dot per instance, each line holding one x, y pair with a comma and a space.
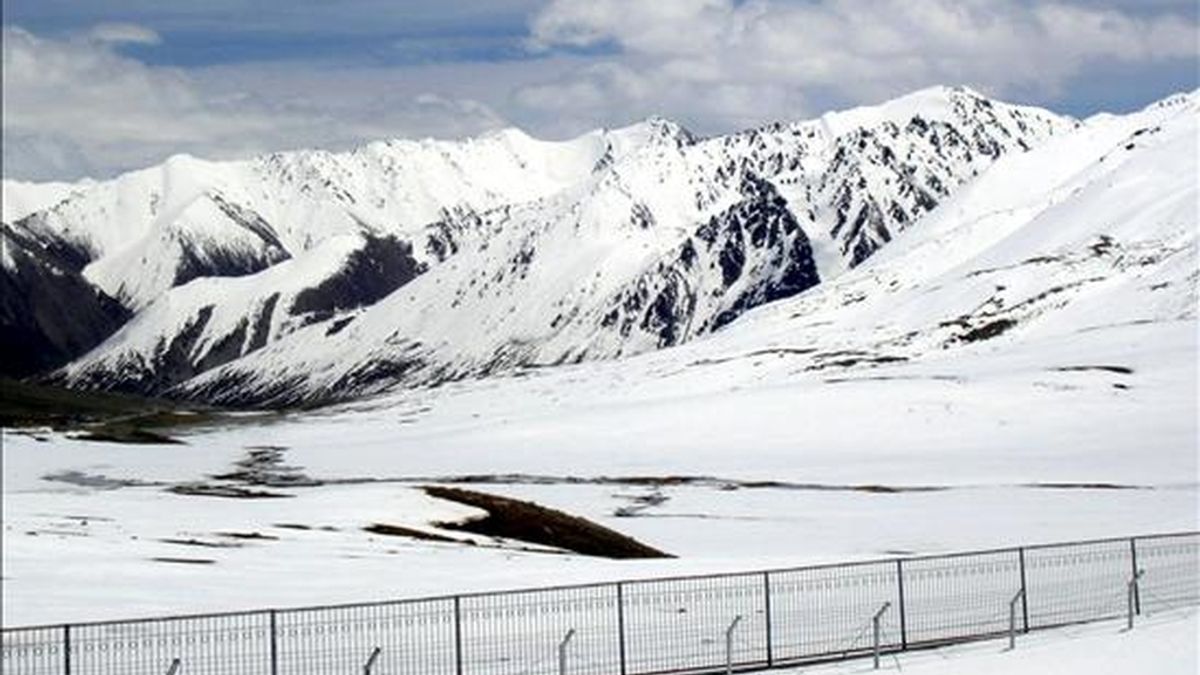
412, 533
305, 528
127, 433
248, 536
535, 524
714, 482
1086, 486
1119, 370
263, 466
200, 542
227, 491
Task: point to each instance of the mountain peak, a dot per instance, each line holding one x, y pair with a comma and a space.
941, 102
661, 128
1183, 99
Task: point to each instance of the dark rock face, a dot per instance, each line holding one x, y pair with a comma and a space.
240, 389
195, 263
445, 236
173, 361
252, 222
660, 303
381, 266
763, 230
196, 257
756, 246
262, 327
62, 252
204, 260
378, 267
875, 191
49, 313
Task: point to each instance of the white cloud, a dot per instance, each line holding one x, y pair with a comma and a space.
73, 107
721, 63
124, 33
77, 105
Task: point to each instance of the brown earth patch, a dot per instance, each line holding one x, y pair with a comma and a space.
532, 523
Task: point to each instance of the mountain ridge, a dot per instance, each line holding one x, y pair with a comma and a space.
622, 242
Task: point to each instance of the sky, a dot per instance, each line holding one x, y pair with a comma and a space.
96, 88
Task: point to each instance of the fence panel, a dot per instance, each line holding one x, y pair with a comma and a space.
520, 632
1172, 572
32, 651
413, 638
827, 611
660, 626
228, 644
679, 625
961, 596
1069, 583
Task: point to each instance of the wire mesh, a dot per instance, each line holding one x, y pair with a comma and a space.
511, 633
641, 627
1069, 583
1172, 572
827, 611
679, 625
33, 651
414, 638
958, 597
221, 644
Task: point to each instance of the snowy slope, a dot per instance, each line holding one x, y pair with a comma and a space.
137, 237
21, 198
211, 321
49, 311
874, 415
612, 244
149, 230
995, 257
1018, 364
1067, 273
1164, 645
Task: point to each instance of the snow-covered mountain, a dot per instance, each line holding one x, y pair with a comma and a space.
311, 275
48, 311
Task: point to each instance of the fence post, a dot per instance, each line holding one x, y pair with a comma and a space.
1024, 592
875, 626
1137, 594
1012, 618
458, 644
621, 624
1132, 591
769, 627
729, 644
371, 661
562, 652
67, 649
900, 593
274, 644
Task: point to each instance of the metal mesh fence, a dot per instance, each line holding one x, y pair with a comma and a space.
958, 597
35, 651
413, 638
1171, 577
222, 644
700, 624
522, 632
679, 625
1069, 583
827, 611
